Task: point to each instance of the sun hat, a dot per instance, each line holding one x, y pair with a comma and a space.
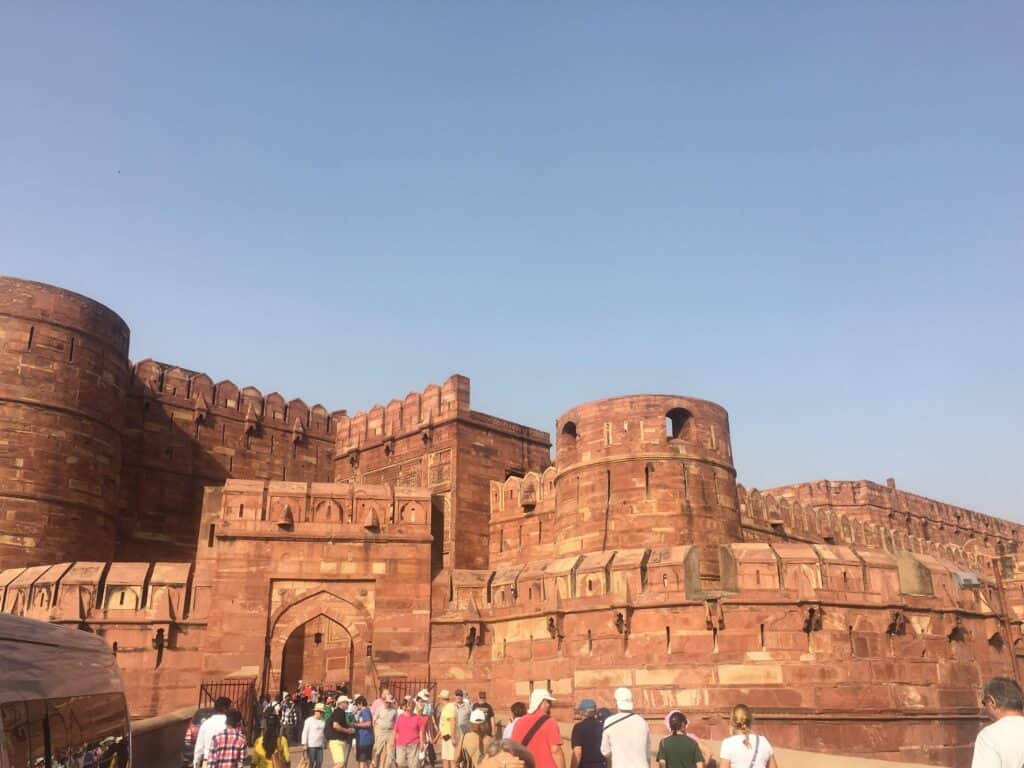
423, 694
318, 708
444, 694
537, 696
624, 699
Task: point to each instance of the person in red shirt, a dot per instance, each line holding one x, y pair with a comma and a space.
538, 732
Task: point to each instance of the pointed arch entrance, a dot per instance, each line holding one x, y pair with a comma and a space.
318, 652
345, 632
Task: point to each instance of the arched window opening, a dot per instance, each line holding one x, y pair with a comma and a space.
569, 434
677, 422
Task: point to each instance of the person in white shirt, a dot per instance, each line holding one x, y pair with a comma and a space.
1001, 744
626, 739
313, 737
213, 725
518, 710
745, 749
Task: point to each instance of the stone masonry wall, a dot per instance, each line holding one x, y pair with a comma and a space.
184, 432
652, 463
435, 440
278, 555
839, 649
63, 376
915, 515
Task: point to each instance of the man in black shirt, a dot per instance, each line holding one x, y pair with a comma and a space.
488, 710
586, 738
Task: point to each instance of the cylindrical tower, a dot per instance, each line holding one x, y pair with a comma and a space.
63, 380
646, 471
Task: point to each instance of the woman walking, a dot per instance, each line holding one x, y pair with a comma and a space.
745, 749
271, 748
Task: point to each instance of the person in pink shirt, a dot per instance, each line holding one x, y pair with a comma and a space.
409, 729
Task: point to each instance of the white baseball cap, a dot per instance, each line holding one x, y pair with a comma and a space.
537, 696
624, 699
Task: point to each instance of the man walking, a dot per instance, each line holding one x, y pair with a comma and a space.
586, 738
228, 749
213, 725
538, 732
448, 729
384, 732
464, 710
364, 733
339, 732
313, 737
626, 739
289, 719
1001, 744
487, 709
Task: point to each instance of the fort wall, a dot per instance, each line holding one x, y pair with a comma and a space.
839, 649
184, 432
63, 377
435, 440
768, 518
657, 463
916, 515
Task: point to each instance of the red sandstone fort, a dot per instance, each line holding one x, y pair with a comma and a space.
209, 531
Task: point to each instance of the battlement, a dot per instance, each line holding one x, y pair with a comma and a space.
96, 593
186, 388
796, 572
916, 515
418, 410
771, 518
341, 509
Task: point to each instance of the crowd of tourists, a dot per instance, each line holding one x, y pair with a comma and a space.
453, 731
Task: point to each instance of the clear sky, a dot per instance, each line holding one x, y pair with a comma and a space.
810, 213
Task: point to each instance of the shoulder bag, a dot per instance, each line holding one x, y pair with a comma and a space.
528, 737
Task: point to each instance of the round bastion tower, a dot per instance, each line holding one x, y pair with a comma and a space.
646, 471
63, 380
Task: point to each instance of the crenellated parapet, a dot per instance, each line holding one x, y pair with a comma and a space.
794, 570
185, 432
282, 509
417, 412
93, 594
806, 633
522, 517
197, 391
768, 517
915, 515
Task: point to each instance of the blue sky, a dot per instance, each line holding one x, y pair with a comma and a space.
810, 213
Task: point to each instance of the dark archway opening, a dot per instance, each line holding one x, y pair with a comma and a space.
677, 423
437, 532
317, 652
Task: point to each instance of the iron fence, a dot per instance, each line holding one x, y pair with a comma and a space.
401, 687
242, 692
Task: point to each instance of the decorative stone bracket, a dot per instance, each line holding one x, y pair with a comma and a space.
714, 618
814, 620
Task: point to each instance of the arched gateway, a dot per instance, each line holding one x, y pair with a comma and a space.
321, 638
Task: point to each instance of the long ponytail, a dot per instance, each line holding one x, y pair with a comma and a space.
741, 721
